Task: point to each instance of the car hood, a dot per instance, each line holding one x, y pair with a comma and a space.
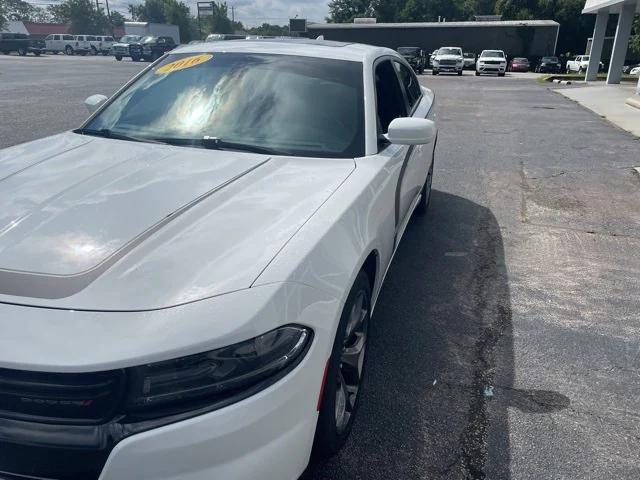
100, 224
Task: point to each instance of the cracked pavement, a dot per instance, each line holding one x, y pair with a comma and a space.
524, 277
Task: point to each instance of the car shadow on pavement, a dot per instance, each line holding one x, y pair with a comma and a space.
439, 378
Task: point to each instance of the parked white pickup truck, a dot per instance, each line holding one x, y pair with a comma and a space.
448, 59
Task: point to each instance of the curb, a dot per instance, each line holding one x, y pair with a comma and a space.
633, 101
562, 82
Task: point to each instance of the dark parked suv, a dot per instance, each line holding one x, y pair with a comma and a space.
415, 57
20, 43
150, 49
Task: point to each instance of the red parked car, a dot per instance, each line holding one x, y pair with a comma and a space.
519, 65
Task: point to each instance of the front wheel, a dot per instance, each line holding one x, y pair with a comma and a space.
477, 73
119, 58
68, 50
460, 73
501, 74
22, 51
434, 72
345, 368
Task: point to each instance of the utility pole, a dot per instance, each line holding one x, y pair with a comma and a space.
109, 18
233, 14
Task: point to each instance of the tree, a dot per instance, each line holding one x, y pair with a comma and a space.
81, 15
166, 11
19, 10
117, 19
342, 11
269, 30
634, 41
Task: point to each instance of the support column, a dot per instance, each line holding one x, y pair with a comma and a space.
596, 44
621, 42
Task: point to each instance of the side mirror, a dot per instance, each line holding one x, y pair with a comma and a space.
94, 101
411, 131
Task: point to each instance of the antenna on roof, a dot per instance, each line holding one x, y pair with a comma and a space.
320, 37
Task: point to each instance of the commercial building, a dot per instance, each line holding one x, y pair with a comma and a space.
527, 38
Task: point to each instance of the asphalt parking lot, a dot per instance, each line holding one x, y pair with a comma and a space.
506, 341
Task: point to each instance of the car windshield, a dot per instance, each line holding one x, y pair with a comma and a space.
550, 59
585, 57
408, 50
148, 39
521, 60
293, 105
469, 55
449, 51
130, 38
492, 54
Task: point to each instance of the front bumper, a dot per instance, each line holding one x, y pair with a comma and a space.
490, 68
267, 435
448, 68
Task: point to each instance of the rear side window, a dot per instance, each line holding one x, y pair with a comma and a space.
108, 39
410, 82
389, 98
90, 38
67, 37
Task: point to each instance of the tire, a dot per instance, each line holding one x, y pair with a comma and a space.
460, 73
434, 72
501, 74
37, 54
425, 199
22, 51
339, 408
94, 51
135, 58
118, 58
477, 73
68, 50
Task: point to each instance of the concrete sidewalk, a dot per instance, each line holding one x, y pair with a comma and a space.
608, 101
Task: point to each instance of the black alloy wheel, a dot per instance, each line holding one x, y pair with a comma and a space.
344, 375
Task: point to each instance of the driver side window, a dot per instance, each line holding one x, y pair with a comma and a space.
390, 100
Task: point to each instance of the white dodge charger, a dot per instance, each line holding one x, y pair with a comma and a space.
187, 280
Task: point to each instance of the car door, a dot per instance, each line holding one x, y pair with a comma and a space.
391, 104
419, 156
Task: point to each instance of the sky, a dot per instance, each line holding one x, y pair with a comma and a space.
256, 12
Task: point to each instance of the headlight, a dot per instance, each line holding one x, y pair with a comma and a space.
436, 62
232, 372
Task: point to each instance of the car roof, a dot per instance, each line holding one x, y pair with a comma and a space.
301, 47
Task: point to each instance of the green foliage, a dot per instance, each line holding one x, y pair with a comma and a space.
166, 11
341, 11
82, 16
270, 30
634, 41
117, 19
21, 11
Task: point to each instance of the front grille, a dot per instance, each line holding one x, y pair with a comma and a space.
492, 62
447, 62
69, 398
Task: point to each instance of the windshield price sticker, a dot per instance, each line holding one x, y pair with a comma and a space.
183, 63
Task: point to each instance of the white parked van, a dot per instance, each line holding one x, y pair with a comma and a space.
67, 44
